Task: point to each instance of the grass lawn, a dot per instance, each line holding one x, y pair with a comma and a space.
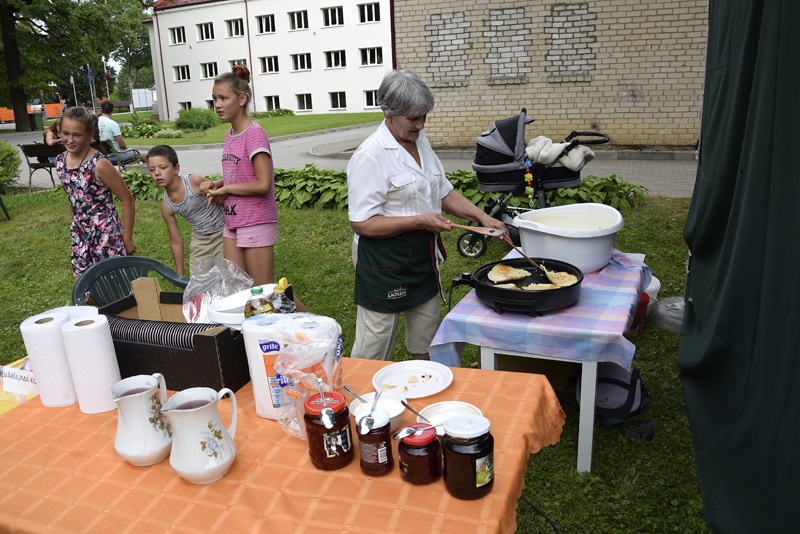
274, 126
634, 487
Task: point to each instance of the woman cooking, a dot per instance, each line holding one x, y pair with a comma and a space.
397, 189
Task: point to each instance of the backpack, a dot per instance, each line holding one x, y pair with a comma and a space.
620, 394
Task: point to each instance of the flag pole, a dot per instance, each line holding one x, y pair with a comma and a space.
74, 94
105, 77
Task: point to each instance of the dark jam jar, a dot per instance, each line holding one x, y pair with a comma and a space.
468, 457
375, 447
329, 448
419, 456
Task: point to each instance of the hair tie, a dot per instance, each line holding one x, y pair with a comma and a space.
242, 72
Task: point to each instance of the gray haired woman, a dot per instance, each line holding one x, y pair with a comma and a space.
397, 189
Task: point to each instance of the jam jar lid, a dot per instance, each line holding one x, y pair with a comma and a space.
425, 436
380, 417
467, 426
335, 401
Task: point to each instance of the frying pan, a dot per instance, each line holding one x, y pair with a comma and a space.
520, 300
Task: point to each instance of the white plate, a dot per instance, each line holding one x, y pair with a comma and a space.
413, 379
442, 411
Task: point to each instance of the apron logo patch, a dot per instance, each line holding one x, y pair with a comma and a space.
397, 293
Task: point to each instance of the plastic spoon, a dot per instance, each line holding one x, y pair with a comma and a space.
326, 414
367, 421
404, 403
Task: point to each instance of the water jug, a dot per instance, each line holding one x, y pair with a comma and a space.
203, 449
144, 436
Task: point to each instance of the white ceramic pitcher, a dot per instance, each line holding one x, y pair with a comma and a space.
144, 436
203, 450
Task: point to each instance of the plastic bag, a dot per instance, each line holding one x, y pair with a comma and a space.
215, 278
310, 348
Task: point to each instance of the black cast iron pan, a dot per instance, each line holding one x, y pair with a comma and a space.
521, 300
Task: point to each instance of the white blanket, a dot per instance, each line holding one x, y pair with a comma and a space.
543, 150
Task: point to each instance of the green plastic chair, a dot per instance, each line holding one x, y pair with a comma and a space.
110, 280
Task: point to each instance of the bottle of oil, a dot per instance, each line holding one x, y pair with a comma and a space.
258, 303
280, 302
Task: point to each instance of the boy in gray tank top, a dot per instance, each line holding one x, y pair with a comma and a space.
182, 197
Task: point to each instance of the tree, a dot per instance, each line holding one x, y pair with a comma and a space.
45, 41
133, 42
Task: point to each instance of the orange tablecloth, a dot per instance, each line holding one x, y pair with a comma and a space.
59, 472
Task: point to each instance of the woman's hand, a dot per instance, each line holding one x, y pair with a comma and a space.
434, 222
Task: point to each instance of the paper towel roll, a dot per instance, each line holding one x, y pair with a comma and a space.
42, 337
92, 362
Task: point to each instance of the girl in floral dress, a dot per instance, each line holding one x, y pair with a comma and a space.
90, 182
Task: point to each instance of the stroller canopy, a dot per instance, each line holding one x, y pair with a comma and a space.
502, 147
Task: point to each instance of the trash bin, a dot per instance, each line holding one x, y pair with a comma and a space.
37, 120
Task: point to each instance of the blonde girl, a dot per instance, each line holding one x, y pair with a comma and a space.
251, 216
90, 182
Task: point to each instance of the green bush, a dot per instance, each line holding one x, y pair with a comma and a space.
311, 187
9, 166
280, 112
197, 119
168, 134
141, 186
142, 128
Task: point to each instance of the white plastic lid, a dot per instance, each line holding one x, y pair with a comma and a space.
380, 417
467, 426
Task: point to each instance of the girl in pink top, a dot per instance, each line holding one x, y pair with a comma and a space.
251, 217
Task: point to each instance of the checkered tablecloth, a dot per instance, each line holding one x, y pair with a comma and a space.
59, 472
590, 330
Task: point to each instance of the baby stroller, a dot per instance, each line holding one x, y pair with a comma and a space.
501, 162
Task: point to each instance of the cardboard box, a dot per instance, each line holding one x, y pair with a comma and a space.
217, 360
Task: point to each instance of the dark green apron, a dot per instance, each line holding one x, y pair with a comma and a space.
396, 274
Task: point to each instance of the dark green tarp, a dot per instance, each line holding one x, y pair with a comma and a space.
740, 346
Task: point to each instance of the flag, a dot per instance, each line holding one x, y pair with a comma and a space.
105, 72
71, 81
89, 69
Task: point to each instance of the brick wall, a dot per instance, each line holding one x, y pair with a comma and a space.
630, 68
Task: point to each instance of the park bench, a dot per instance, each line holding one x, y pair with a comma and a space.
35, 151
122, 104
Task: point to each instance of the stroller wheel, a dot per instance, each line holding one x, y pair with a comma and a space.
471, 245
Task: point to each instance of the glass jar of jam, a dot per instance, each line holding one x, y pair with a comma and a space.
468, 457
375, 447
329, 448
419, 456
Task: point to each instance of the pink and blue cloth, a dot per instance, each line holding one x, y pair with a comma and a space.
592, 329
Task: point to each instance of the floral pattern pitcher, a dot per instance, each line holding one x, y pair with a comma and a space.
203, 449
144, 436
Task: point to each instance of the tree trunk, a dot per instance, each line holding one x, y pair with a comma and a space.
13, 67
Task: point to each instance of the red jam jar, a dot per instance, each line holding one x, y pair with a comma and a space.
419, 456
329, 448
375, 447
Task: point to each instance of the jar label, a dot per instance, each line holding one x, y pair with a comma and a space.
337, 443
484, 470
373, 453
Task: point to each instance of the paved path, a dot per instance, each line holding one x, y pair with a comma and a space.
330, 150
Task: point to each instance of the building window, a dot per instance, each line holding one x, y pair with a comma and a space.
335, 59
338, 100
181, 73
185, 105
273, 102
371, 98
209, 70
177, 35
369, 12
234, 62
269, 64
304, 102
301, 61
205, 32
235, 27
298, 20
372, 56
210, 104
332, 16
266, 24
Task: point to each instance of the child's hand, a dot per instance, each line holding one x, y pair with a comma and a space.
216, 195
209, 185
130, 246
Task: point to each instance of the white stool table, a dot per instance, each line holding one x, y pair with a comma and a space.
588, 332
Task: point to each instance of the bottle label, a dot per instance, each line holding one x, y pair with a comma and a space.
484, 470
373, 453
337, 443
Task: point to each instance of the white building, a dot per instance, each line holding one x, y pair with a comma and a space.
318, 57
